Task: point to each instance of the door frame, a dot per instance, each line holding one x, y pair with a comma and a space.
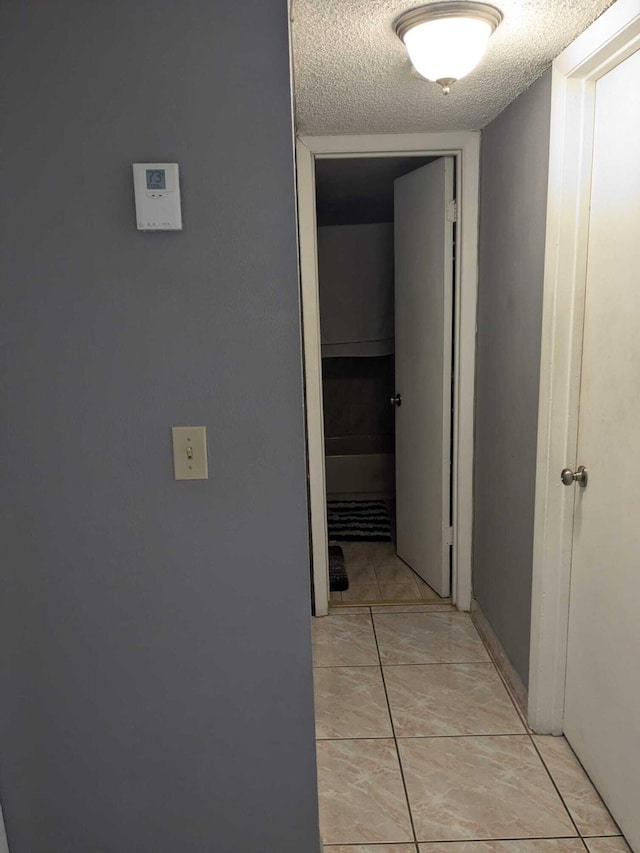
606, 43
465, 147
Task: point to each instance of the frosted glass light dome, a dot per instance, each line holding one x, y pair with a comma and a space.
445, 41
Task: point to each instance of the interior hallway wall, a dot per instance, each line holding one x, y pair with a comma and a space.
155, 663
355, 394
513, 197
355, 278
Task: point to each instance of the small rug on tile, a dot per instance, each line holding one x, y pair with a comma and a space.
338, 578
359, 521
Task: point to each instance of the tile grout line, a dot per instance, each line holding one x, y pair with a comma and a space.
437, 663
445, 737
413, 579
395, 739
327, 848
457, 841
431, 663
553, 782
529, 734
376, 582
410, 582
343, 607
582, 767
580, 834
352, 607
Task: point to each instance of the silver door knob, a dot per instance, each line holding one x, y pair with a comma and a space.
580, 477
397, 400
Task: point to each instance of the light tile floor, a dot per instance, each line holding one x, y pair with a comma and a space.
422, 750
376, 573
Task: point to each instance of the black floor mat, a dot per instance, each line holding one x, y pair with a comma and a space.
338, 579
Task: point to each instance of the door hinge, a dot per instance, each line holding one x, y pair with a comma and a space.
452, 211
448, 536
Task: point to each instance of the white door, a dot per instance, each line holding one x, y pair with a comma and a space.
602, 705
423, 331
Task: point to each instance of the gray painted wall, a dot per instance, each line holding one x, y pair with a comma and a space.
155, 666
513, 195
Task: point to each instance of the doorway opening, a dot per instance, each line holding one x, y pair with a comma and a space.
386, 281
428, 438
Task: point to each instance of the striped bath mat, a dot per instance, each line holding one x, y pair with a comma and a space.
358, 521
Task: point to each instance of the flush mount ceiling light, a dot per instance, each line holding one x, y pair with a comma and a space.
445, 41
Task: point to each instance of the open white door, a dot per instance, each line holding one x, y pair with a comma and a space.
423, 332
602, 696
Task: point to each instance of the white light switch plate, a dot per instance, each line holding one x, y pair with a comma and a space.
190, 453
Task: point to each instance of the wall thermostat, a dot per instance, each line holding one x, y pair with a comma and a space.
157, 189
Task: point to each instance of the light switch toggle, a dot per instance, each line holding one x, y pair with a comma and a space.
190, 453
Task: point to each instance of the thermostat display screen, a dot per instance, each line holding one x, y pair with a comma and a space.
156, 179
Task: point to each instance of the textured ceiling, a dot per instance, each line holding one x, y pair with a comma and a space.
352, 73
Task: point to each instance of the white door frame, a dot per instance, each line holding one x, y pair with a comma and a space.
465, 146
610, 40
